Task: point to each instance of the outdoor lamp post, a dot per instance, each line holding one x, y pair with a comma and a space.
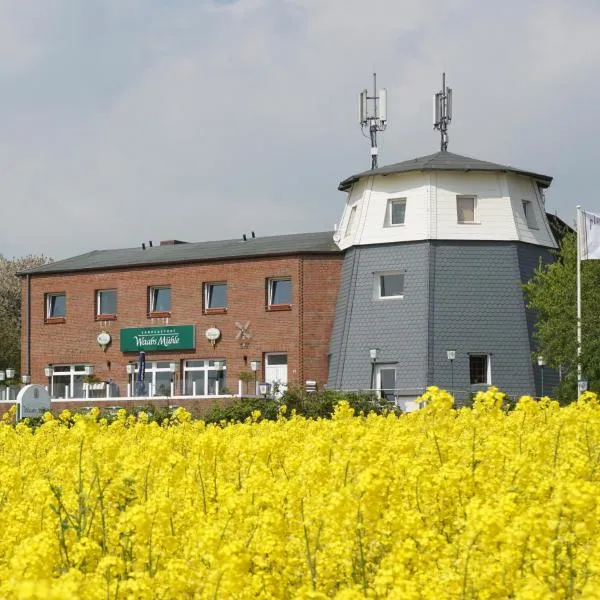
26, 379
373, 352
541, 364
10, 373
2, 376
451, 355
254, 364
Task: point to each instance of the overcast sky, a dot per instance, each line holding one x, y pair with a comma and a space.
123, 121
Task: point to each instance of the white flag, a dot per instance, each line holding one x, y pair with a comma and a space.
589, 236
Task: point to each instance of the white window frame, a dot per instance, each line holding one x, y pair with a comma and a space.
270, 290
98, 303
378, 383
377, 285
208, 285
351, 220
488, 368
389, 212
49, 305
207, 366
70, 371
152, 291
151, 368
467, 197
529, 213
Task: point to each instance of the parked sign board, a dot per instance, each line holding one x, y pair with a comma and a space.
167, 337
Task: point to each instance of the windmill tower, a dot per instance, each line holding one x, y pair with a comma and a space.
436, 249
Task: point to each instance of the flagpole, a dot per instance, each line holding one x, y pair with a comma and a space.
579, 370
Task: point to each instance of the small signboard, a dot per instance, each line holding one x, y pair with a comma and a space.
167, 337
32, 401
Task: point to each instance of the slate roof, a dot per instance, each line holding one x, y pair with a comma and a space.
298, 243
442, 161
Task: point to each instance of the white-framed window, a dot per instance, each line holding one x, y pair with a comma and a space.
395, 212
157, 380
350, 224
204, 377
529, 214
215, 295
480, 369
67, 381
465, 209
56, 305
159, 299
106, 302
388, 284
279, 291
385, 381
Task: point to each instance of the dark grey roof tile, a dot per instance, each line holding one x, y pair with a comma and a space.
298, 243
442, 161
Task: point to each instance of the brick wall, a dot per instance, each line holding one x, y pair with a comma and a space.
302, 331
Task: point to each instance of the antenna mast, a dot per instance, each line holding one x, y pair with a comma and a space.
442, 112
374, 120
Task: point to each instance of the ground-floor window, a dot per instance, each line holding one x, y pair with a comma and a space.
480, 369
385, 382
204, 377
66, 381
157, 380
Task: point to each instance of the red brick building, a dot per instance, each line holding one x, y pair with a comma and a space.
202, 312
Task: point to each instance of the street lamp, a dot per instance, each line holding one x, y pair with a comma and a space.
541, 364
26, 379
451, 355
2, 375
254, 364
10, 373
373, 352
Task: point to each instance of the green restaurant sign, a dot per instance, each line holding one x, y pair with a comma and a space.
169, 337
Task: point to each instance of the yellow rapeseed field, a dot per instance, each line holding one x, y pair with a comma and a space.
442, 503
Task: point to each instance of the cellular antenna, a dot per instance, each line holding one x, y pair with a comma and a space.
372, 114
442, 112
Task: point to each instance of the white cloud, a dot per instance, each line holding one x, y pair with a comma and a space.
137, 120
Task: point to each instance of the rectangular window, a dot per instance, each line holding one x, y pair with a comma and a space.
350, 224
106, 303
529, 214
465, 209
389, 285
56, 306
160, 299
479, 369
215, 296
204, 377
279, 292
396, 212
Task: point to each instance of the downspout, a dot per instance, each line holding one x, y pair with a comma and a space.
28, 326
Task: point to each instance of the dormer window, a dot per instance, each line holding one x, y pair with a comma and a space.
529, 214
465, 209
396, 212
350, 224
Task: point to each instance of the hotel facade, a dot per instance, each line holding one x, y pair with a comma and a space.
420, 285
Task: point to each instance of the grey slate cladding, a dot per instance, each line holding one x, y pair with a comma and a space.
300, 243
463, 296
442, 161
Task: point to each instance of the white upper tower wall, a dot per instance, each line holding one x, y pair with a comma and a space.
446, 197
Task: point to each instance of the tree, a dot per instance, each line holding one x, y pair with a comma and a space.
10, 307
552, 293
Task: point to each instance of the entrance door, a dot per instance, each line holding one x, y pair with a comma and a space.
385, 381
276, 371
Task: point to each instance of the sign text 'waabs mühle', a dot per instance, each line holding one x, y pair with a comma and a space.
169, 337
